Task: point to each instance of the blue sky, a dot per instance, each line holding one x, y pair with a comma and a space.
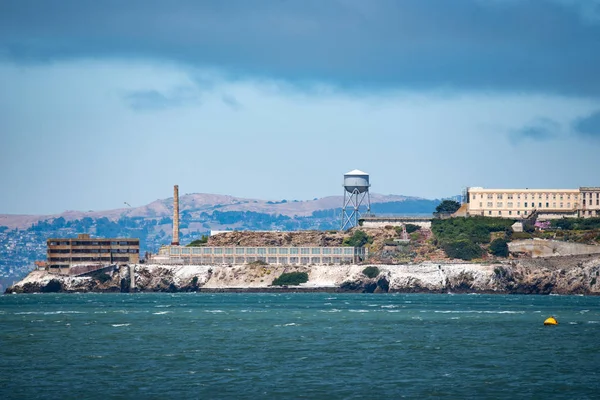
107, 102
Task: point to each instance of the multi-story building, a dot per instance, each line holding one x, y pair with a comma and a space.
522, 203
275, 255
590, 201
64, 253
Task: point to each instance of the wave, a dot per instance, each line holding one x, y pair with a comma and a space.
118, 325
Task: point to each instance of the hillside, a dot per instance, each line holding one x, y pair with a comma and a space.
22, 237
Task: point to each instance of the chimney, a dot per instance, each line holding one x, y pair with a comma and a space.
175, 241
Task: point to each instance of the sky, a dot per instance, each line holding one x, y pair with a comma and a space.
107, 102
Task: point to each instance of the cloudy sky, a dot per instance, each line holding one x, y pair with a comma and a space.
106, 102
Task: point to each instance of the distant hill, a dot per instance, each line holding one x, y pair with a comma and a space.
197, 203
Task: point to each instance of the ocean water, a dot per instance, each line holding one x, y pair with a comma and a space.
315, 346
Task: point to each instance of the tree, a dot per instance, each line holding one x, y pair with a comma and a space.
358, 239
447, 207
499, 248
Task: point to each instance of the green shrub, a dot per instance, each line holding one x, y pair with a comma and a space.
462, 249
520, 235
410, 228
358, 239
499, 248
473, 229
199, 242
371, 272
291, 278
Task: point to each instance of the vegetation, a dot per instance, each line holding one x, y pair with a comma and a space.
462, 249
199, 242
447, 207
358, 239
291, 279
576, 223
474, 229
499, 247
371, 272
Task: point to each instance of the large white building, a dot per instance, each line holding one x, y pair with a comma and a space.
522, 203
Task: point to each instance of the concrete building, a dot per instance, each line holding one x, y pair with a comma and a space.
234, 255
545, 203
64, 253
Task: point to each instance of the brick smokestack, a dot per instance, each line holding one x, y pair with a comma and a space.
175, 241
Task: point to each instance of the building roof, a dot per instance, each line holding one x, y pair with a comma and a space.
356, 172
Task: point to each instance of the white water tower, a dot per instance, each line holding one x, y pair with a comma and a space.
356, 190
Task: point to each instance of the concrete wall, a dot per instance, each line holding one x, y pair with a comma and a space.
380, 222
550, 248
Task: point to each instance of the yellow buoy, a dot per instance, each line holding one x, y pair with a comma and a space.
551, 321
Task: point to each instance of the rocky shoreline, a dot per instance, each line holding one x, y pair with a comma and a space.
552, 275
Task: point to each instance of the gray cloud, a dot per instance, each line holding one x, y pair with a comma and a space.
232, 102
525, 46
588, 126
152, 100
542, 129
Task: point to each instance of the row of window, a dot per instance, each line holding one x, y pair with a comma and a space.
270, 260
527, 205
262, 250
87, 251
526, 196
76, 259
94, 243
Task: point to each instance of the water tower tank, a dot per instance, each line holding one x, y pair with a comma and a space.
356, 180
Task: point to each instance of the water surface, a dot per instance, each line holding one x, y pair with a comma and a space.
317, 346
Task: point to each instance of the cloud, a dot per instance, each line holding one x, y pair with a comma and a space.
152, 100
467, 45
588, 126
232, 102
543, 129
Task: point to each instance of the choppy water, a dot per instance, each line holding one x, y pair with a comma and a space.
326, 346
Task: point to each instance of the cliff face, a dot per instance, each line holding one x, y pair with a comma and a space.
560, 275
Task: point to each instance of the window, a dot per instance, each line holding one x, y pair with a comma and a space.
490, 196
568, 205
480, 204
499, 196
250, 250
547, 205
518, 195
489, 213
326, 251
509, 196
304, 250
499, 205
510, 213
337, 250
283, 251
597, 202
499, 212
525, 204
218, 250
540, 205
509, 204
553, 205
518, 204
294, 250
315, 250
489, 204
239, 250
518, 212
272, 250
